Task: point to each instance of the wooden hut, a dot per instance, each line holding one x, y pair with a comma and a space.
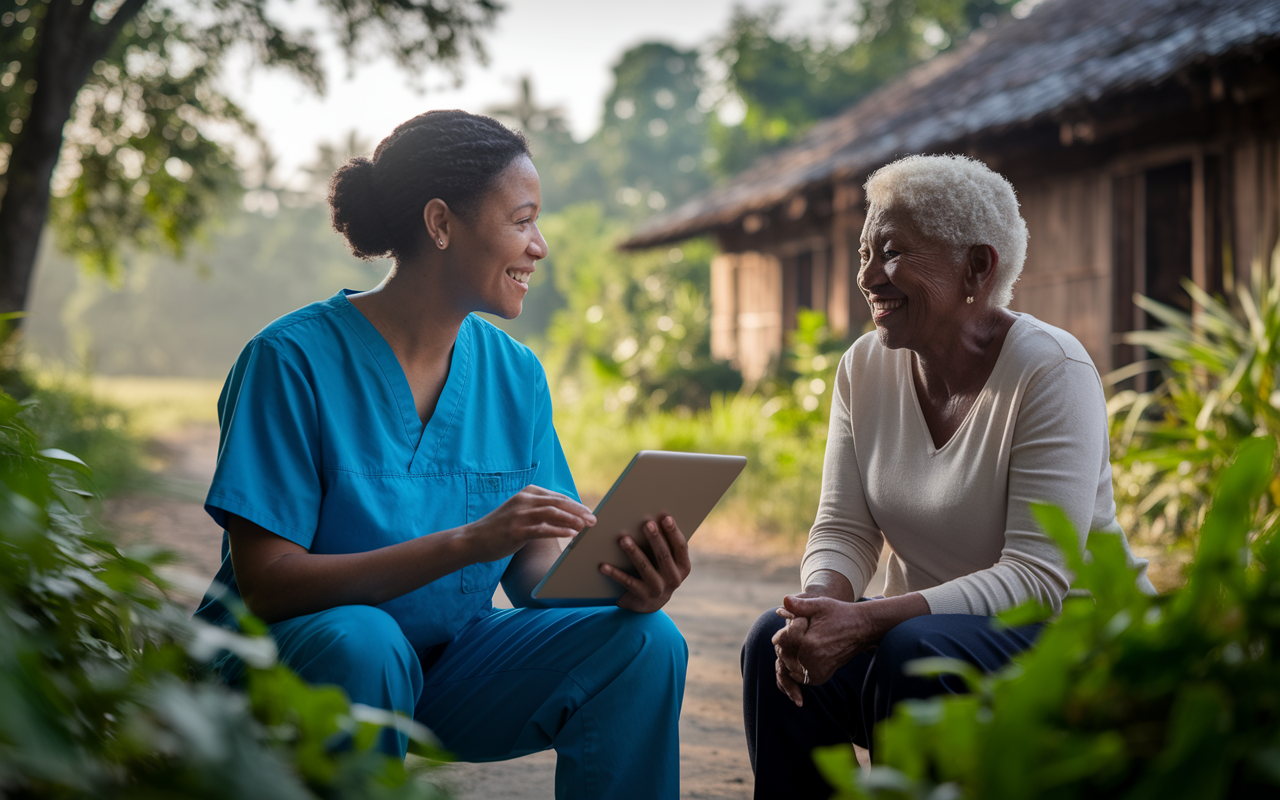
1143, 138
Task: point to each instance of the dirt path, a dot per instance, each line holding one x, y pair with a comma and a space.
729, 587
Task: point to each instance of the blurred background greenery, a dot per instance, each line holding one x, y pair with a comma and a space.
136, 322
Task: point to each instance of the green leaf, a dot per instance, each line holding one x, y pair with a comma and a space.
839, 768
64, 459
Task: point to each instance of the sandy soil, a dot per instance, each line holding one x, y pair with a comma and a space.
736, 575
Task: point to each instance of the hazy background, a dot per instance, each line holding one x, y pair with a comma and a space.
272, 251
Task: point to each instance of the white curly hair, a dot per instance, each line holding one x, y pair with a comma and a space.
962, 202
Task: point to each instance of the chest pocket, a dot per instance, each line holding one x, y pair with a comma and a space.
485, 492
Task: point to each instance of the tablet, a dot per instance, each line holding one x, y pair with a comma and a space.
685, 485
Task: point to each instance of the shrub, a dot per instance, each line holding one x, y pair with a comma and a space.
71, 418
1124, 695
102, 694
1219, 388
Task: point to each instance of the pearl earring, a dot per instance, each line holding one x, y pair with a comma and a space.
969, 299
441, 243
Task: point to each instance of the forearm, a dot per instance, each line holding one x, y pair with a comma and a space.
829, 583
884, 615
526, 570
296, 583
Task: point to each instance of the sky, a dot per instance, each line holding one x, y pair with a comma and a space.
568, 47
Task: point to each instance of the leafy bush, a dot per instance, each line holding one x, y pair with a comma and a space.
102, 694
634, 333
781, 429
71, 418
1124, 695
1219, 388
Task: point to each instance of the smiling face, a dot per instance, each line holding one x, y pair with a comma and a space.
493, 248
913, 284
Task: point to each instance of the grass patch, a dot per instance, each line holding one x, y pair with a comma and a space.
159, 405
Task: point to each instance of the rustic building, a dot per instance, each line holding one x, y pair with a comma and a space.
1143, 138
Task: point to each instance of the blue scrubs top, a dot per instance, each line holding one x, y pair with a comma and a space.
321, 444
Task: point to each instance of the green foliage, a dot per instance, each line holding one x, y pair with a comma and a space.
634, 332
652, 139
1219, 389
800, 393
70, 418
780, 427
141, 163
778, 491
787, 82
1124, 695
139, 166
101, 694
568, 170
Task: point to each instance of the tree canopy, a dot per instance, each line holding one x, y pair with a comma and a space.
112, 109
787, 81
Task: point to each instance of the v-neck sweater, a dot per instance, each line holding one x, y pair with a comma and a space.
957, 517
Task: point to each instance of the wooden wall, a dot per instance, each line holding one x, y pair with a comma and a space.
1066, 280
1254, 191
747, 311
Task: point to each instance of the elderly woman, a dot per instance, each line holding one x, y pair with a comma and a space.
946, 424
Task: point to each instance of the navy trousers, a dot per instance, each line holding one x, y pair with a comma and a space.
781, 737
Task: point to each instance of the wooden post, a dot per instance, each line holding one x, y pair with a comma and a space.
724, 307
1199, 230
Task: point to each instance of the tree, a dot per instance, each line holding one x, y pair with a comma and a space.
788, 81
568, 171
110, 108
653, 136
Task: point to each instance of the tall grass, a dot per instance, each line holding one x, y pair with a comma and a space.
1220, 388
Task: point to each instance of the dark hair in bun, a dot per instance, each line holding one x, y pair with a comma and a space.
377, 202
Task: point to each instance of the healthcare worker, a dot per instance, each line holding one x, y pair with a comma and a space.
387, 458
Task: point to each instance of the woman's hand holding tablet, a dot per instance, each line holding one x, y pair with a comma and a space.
656, 485
659, 577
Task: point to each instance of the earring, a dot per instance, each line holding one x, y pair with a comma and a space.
969, 299
441, 243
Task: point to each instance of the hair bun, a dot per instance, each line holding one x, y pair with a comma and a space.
353, 198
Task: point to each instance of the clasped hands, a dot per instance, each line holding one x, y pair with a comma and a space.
820, 636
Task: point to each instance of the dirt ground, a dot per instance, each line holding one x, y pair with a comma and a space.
736, 575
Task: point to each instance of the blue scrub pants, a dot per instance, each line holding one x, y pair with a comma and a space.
601, 686
781, 737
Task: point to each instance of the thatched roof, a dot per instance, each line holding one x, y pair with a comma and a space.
1064, 54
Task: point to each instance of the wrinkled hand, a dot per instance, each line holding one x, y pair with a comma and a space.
821, 635
790, 674
530, 514
658, 578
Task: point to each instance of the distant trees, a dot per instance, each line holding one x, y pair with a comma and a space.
109, 108
788, 81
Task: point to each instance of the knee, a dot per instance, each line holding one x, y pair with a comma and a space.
758, 647
660, 637
363, 641
916, 638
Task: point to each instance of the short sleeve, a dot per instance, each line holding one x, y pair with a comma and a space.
268, 456
553, 469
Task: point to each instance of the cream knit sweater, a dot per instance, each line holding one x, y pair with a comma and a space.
957, 517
